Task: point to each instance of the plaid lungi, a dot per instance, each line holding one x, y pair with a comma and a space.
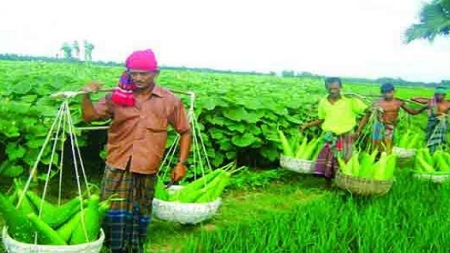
436, 134
383, 131
326, 164
126, 222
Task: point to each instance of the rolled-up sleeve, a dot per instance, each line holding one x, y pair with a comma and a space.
104, 108
178, 119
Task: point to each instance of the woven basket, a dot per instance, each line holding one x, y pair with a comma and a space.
184, 213
13, 246
403, 152
432, 177
297, 165
362, 186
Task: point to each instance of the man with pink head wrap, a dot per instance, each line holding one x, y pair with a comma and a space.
141, 112
140, 60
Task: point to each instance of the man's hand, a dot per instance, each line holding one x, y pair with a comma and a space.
303, 128
92, 87
178, 172
371, 109
356, 134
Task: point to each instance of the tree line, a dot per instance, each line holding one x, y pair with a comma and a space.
285, 73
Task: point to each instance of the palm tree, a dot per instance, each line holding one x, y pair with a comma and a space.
67, 50
76, 48
88, 47
434, 21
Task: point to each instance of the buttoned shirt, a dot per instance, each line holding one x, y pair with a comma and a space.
139, 132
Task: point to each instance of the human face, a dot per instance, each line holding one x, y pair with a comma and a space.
389, 95
334, 89
142, 79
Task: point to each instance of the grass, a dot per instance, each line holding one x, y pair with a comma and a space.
256, 195
240, 207
413, 217
282, 211
257, 201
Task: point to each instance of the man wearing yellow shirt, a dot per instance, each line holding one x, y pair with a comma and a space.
337, 117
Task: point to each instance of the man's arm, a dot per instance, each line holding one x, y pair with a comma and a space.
179, 171
321, 118
316, 122
420, 100
100, 111
363, 122
447, 109
362, 108
411, 110
87, 109
180, 122
185, 145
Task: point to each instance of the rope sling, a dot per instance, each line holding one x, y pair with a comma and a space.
63, 128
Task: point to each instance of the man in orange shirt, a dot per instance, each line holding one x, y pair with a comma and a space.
141, 112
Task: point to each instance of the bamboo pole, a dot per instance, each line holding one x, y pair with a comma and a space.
71, 94
378, 96
88, 128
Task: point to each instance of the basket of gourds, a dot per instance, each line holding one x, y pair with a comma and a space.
408, 144
192, 202
363, 175
299, 156
434, 167
36, 225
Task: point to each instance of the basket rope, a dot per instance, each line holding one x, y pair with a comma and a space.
187, 213
62, 122
199, 158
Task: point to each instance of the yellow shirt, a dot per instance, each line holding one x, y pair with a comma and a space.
340, 117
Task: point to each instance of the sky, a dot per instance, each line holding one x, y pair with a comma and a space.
357, 38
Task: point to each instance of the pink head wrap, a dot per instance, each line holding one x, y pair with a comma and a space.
142, 60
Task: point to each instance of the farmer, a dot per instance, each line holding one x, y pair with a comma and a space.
337, 116
437, 126
140, 111
385, 115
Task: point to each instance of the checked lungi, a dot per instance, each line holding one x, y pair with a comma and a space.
436, 133
342, 145
382, 131
126, 222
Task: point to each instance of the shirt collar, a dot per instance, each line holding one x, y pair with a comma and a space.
158, 91
343, 98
